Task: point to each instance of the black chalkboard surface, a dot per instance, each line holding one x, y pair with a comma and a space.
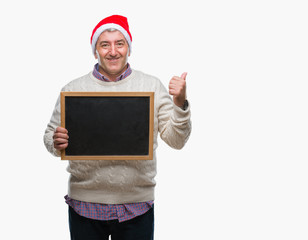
108, 125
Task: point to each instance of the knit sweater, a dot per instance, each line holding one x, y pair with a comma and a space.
122, 181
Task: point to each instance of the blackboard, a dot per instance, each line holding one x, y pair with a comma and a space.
108, 125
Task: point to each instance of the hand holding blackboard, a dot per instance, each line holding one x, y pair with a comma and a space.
60, 138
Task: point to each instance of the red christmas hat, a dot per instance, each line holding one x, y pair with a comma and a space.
117, 22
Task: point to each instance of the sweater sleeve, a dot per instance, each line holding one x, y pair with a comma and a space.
55, 121
174, 123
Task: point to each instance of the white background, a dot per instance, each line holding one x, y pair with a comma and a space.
243, 173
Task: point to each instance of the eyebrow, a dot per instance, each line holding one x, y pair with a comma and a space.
102, 42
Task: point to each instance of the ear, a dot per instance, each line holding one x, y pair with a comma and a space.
95, 54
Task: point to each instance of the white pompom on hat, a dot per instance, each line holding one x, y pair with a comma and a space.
117, 22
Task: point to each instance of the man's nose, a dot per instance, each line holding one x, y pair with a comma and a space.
113, 50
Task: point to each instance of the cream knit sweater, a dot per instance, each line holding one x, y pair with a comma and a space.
122, 181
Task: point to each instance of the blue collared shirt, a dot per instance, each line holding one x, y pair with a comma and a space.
100, 76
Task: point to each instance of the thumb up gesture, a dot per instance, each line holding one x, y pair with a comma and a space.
177, 88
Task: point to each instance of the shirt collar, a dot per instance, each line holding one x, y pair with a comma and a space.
101, 77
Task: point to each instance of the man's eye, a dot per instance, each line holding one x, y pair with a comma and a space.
104, 45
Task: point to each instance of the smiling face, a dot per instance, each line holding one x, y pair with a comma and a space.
112, 52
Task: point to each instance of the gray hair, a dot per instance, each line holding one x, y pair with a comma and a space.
111, 30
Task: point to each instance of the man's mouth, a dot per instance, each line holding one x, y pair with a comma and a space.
112, 59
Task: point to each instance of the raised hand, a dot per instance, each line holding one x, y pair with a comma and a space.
177, 88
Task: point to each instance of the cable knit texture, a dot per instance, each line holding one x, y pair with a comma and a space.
122, 181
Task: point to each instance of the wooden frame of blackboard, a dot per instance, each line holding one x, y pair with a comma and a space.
65, 96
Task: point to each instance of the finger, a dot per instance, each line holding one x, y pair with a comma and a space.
174, 91
60, 135
176, 79
171, 91
177, 84
61, 146
172, 84
61, 130
58, 141
184, 75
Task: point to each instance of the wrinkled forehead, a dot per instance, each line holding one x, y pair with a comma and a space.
111, 35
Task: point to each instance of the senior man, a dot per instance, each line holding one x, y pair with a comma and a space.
114, 197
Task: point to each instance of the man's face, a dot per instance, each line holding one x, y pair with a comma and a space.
112, 52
